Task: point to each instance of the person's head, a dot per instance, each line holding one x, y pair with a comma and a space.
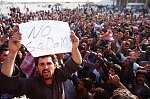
141, 76
146, 28
115, 69
100, 94
120, 93
128, 61
134, 55
3, 53
95, 84
85, 38
148, 40
79, 33
88, 29
99, 49
125, 45
84, 84
90, 41
82, 46
1, 28
115, 30
92, 77
23, 49
148, 50
135, 29
46, 65
19, 55
131, 41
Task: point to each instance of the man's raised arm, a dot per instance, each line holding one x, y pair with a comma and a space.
76, 56
14, 45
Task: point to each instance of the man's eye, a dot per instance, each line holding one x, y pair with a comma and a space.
49, 63
41, 64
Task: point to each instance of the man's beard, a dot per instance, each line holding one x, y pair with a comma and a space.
45, 70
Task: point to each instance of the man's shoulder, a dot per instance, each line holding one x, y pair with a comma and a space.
31, 80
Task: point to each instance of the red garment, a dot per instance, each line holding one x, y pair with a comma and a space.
28, 65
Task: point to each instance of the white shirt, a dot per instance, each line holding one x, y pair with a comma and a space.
97, 73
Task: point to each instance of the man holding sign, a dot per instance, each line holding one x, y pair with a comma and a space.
48, 84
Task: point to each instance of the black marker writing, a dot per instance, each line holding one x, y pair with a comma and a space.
29, 47
47, 30
40, 46
47, 44
56, 45
43, 31
64, 41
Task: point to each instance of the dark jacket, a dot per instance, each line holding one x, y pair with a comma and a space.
35, 88
143, 92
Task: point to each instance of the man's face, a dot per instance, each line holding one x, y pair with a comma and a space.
112, 72
90, 41
46, 67
126, 62
126, 47
80, 85
141, 79
3, 56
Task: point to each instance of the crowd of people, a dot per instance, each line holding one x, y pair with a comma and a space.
115, 51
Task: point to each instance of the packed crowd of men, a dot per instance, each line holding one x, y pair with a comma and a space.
110, 42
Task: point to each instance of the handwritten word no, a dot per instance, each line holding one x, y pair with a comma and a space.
44, 31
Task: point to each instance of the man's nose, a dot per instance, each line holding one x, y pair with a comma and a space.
46, 66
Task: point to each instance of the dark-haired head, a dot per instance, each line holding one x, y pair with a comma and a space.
37, 58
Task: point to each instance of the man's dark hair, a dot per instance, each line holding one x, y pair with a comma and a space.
37, 58
2, 48
117, 68
87, 83
124, 93
101, 94
141, 72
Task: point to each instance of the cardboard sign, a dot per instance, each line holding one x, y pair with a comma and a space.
45, 37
